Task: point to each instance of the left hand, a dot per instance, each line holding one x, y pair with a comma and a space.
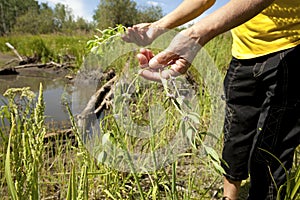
142, 34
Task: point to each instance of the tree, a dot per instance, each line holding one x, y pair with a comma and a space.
112, 12
149, 14
10, 10
83, 25
4, 26
46, 19
35, 21
63, 17
28, 16
26, 24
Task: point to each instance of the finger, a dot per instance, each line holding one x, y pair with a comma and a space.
150, 75
151, 55
145, 53
127, 36
142, 25
180, 66
162, 59
168, 73
148, 53
158, 75
143, 61
134, 35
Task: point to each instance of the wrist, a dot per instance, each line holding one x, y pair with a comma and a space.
157, 28
197, 34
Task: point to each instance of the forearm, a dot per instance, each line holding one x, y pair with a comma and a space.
186, 11
233, 14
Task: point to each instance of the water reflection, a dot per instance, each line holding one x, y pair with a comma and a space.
56, 92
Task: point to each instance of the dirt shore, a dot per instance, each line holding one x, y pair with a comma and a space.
10, 61
6, 58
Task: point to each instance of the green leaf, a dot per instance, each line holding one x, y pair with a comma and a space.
154, 191
189, 134
297, 184
102, 156
165, 84
105, 138
8, 174
194, 118
109, 194
211, 152
180, 100
218, 167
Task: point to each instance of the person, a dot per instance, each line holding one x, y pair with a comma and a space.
262, 118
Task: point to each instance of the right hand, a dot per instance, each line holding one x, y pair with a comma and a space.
142, 34
173, 61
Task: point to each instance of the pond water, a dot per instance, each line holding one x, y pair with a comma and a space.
57, 91
54, 92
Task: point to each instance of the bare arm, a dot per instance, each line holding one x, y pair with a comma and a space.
144, 33
229, 16
186, 11
185, 45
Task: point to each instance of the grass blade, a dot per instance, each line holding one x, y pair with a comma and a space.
8, 174
297, 185
72, 191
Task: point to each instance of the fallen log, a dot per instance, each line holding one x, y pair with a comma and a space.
8, 71
14, 70
98, 101
14, 50
38, 65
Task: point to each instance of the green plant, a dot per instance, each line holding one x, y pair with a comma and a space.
292, 185
25, 145
105, 41
49, 47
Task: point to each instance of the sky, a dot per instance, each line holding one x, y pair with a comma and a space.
86, 8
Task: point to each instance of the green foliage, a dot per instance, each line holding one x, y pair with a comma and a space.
10, 10
292, 184
106, 39
112, 12
18, 16
8, 174
149, 14
37, 21
25, 144
48, 47
39, 48
63, 18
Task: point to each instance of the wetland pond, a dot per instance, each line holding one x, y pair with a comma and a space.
57, 91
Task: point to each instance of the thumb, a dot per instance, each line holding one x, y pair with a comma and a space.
162, 59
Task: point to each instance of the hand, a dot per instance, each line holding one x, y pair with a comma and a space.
142, 34
172, 62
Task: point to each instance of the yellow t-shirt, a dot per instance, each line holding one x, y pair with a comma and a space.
275, 28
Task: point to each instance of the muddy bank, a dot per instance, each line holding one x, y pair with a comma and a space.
32, 66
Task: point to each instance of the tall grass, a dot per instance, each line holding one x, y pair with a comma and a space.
48, 47
25, 143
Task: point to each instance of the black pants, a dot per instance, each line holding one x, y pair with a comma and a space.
262, 122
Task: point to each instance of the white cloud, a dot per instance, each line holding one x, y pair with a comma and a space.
153, 3
79, 7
